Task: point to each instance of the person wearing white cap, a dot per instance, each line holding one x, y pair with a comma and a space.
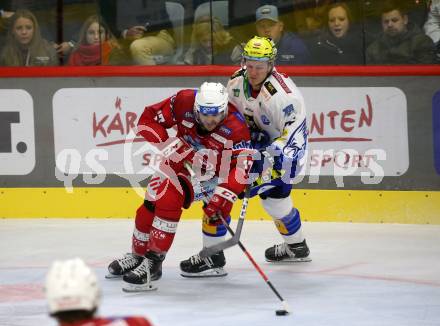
291, 49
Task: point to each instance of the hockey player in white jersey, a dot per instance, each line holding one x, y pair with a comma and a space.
275, 112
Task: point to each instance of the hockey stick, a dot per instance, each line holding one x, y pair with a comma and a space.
235, 239
279, 312
209, 251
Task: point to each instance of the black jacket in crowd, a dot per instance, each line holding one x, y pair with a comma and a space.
330, 50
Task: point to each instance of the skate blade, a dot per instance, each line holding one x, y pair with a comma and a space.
290, 260
136, 288
216, 272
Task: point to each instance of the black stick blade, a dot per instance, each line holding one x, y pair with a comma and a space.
281, 312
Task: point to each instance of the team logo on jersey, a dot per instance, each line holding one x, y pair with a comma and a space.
236, 92
291, 152
188, 115
270, 88
288, 110
265, 120
225, 130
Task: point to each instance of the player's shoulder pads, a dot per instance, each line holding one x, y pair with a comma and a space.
238, 73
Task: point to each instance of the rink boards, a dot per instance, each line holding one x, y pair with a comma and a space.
374, 147
414, 207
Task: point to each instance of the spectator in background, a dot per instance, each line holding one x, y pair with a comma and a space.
47, 13
145, 28
432, 25
209, 46
74, 13
43, 10
340, 42
416, 11
24, 45
96, 45
4, 15
401, 42
291, 49
73, 296
309, 17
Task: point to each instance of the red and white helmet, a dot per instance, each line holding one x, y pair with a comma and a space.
211, 100
71, 285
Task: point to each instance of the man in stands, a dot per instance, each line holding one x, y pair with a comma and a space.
291, 49
401, 41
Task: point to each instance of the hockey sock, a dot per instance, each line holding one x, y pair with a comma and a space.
287, 218
141, 232
213, 234
168, 209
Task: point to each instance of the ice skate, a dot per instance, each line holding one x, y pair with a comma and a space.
206, 267
140, 278
297, 252
119, 267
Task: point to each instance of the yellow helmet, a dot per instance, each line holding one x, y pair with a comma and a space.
260, 49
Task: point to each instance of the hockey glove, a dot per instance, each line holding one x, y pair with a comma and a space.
270, 159
260, 139
177, 152
275, 155
221, 203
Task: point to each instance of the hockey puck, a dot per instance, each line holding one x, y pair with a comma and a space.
281, 312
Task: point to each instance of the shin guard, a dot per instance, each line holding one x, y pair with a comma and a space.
141, 232
168, 209
287, 218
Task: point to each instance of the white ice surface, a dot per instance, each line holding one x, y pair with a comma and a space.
361, 274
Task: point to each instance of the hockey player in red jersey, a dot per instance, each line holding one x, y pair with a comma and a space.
73, 296
213, 137
275, 111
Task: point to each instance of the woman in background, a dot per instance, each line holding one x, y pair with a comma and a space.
210, 43
24, 45
96, 45
340, 43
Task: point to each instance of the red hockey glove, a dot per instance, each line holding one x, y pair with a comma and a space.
221, 203
176, 153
